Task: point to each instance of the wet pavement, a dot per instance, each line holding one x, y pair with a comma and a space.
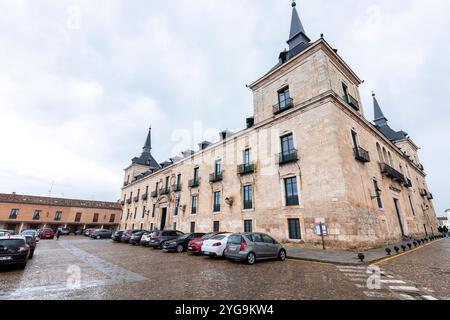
81, 268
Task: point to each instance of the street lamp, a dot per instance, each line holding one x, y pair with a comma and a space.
403, 247
361, 257
397, 249
388, 251
409, 245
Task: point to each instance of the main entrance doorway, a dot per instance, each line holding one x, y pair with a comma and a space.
163, 218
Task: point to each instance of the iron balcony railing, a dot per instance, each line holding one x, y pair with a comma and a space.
392, 173
361, 154
194, 183
176, 188
288, 156
136, 199
246, 168
145, 196
154, 194
353, 102
129, 201
408, 183
164, 191
423, 192
283, 106
248, 205
216, 177
430, 196
292, 201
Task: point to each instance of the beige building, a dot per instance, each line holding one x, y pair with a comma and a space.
308, 156
20, 212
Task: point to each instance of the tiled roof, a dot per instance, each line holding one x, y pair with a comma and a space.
25, 199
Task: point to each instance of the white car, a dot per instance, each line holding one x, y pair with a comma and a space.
215, 246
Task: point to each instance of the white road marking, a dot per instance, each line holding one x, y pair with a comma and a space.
356, 275
393, 281
374, 294
406, 297
429, 298
404, 288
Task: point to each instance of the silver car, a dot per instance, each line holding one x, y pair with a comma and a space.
251, 247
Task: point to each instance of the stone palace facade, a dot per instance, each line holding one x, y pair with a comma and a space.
308, 156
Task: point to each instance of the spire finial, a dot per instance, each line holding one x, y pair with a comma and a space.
148, 141
373, 93
293, 4
297, 33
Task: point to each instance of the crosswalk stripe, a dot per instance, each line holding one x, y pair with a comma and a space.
352, 267
374, 294
356, 275
403, 288
393, 281
406, 296
429, 298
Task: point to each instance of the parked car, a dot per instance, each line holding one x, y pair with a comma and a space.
250, 247
14, 251
6, 233
47, 234
159, 237
136, 237
215, 246
181, 243
195, 245
127, 235
101, 234
31, 242
145, 239
34, 233
117, 236
88, 232
78, 232
64, 231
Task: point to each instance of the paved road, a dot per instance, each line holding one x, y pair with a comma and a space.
119, 271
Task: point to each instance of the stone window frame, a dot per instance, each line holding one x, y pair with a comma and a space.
283, 190
252, 209
251, 224
14, 214
301, 229
214, 204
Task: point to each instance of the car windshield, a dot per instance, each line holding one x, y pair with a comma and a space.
219, 237
28, 232
12, 243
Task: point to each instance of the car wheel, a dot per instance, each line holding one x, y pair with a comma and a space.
180, 248
251, 258
282, 255
31, 255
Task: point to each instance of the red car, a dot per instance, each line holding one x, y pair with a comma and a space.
47, 234
195, 245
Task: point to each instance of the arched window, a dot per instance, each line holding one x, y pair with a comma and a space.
380, 155
391, 163
385, 156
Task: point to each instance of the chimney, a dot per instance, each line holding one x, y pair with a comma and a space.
225, 134
250, 122
203, 145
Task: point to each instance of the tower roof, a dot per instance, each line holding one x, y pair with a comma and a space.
146, 158
381, 123
297, 34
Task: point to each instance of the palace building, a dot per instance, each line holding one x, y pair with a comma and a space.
20, 212
308, 157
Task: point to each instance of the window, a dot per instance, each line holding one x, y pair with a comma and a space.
378, 194
248, 226
216, 226
128, 214
143, 212
284, 99
345, 90
196, 171
391, 163
58, 215
248, 197
412, 207
217, 200
174, 226
194, 205
247, 157
112, 218
135, 213
37, 214
287, 144
177, 205
14, 213
95, 217
179, 182
167, 182
78, 217
380, 154
192, 226
355, 140
151, 226
218, 168
267, 239
294, 229
291, 191
153, 210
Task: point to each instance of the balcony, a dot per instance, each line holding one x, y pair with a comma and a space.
154, 194
145, 196
136, 199
423, 192
361, 154
164, 191
430, 196
176, 188
352, 102
283, 106
129, 201
122, 203
408, 183
288, 156
392, 173
246, 168
194, 183
216, 177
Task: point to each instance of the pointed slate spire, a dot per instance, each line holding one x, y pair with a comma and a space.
148, 142
297, 34
379, 117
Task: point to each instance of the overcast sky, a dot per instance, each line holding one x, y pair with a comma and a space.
81, 81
